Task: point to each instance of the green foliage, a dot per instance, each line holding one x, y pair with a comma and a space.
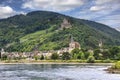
42, 57
37, 57
106, 54
82, 56
54, 56
97, 53
4, 57
117, 65
86, 54
91, 59
0, 55
66, 56
75, 51
107, 61
114, 52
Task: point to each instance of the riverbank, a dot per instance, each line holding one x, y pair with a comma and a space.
82, 62
115, 68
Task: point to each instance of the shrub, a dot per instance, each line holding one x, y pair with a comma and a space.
54, 56
66, 56
107, 61
91, 59
117, 65
42, 57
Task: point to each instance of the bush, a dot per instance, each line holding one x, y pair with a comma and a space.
117, 65
54, 56
91, 59
42, 57
66, 56
107, 61
4, 57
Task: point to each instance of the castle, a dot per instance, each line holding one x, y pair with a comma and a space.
65, 24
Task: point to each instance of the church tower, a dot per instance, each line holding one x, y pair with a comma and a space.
100, 44
73, 44
2, 52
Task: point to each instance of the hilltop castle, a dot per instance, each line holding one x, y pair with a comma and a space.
65, 24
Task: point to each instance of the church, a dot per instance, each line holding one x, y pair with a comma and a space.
72, 45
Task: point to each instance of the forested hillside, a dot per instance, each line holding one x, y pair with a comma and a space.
41, 29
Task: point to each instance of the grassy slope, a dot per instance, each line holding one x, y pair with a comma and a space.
37, 38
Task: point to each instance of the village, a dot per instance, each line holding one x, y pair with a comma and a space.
46, 54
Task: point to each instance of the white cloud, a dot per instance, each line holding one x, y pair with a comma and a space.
97, 8
103, 1
110, 5
54, 5
7, 11
112, 20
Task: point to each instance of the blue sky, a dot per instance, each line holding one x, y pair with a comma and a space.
103, 11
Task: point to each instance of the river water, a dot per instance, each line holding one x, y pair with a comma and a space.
55, 72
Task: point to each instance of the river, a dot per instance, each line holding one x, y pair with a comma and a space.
55, 72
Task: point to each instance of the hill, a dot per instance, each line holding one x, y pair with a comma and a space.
43, 30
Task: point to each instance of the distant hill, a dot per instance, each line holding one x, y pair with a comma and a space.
42, 30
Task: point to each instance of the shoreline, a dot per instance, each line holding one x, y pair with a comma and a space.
97, 64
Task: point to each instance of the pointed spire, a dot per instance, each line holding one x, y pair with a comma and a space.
100, 43
72, 40
2, 50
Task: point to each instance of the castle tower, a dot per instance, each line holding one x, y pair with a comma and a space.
72, 40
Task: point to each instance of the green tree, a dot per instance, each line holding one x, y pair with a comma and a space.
0, 55
96, 53
42, 57
106, 54
86, 55
36, 57
66, 56
75, 53
82, 56
117, 65
91, 58
54, 56
114, 51
4, 57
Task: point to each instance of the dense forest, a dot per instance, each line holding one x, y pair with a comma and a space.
41, 29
